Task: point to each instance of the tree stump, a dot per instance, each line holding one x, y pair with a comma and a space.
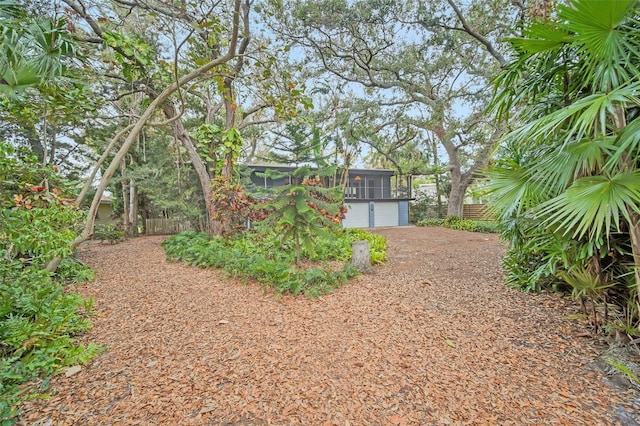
361, 256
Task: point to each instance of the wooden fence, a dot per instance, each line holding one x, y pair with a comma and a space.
476, 212
470, 211
167, 226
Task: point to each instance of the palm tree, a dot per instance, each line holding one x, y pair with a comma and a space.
572, 95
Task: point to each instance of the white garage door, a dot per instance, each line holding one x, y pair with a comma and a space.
386, 213
357, 216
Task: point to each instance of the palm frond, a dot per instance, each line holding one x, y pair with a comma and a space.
628, 145
601, 36
589, 115
557, 167
593, 204
514, 190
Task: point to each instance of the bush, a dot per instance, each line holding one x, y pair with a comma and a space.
377, 244
72, 271
38, 318
431, 222
260, 255
110, 233
460, 224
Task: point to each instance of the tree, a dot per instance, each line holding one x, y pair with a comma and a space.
43, 94
304, 210
568, 189
208, 115
424, 60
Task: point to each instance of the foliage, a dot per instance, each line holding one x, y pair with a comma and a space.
111, 233
38, 318
567, 187
431, 222
35, 49
625, 371
399, 63
377, 244
72, 271
260, 256
304, 210
426, 206
217, 144
233, 207
460, 224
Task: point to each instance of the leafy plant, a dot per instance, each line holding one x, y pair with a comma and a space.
460, 224
71, 270
431, 222
304, 210
233, 207
259, 255
567, 186
38, 318
625, 370
111, 233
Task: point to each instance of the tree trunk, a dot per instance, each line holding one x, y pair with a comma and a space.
460, 181
198, 164
634, 231
133, 207
230, 122
141, 123
144, 213
52, 151
456, 195
126, 224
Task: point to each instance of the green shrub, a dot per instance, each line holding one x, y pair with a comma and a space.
110, 233
377, 244
71, 271
486, 227
38, 318
431, 222
460, 224
259, 255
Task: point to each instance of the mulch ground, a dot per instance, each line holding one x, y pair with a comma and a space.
432, 338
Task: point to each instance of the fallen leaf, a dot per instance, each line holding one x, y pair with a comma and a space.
397, 419
450, 343
209, 406
73, 370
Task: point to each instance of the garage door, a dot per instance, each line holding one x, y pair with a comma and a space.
357, 216
386, 213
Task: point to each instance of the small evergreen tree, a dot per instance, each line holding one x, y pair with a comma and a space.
304, 209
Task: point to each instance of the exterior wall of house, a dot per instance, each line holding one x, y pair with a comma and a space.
105, 215
368, 196
357, 216
376, 213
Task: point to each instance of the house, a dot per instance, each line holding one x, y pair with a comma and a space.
373, 197
105, 214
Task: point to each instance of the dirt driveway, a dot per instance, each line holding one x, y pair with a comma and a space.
431, 338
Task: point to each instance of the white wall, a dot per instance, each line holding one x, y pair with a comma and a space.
357, 216
386, 213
